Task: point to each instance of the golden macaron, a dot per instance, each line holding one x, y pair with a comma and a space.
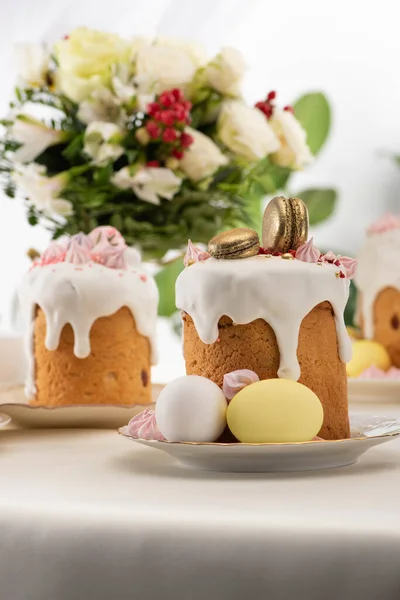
235, 243
285, 224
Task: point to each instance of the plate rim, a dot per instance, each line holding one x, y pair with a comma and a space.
254, 444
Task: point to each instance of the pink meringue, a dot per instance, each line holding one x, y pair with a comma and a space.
77, 253
374, 373
144, 426
236, 381
112, 257
194, 254
308, 252
385, 223
107, 234
82, 240
350, 265
55, 253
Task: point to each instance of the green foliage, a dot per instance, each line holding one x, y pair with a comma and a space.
166, 279
320, 203
232, 197
350, 309
314, 113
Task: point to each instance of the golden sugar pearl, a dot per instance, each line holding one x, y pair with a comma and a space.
275, 411
190, 262
287, 256
235, 243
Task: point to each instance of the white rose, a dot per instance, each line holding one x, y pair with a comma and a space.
202, 158
101, 142
148, 183
195, 50
294, 152
34, 137
225, 72
245, 131
164, 66
43, 192
32, 64
85, 59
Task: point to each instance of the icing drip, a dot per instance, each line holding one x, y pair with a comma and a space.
79, 296
282, 292
377, 269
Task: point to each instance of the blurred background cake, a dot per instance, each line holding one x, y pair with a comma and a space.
378, 283
92, 312
278, 313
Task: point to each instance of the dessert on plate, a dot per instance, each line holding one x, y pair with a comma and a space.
275, 310
92, 317
378, 283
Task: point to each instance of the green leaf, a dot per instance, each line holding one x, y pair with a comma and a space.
320, 203
350, 309
166, 279
397, 160
74, 148
314, 113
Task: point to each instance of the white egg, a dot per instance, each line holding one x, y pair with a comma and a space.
191, 409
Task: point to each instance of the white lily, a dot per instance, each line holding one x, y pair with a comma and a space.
32, 63
43, 192
101, 142
34, 136
149, 183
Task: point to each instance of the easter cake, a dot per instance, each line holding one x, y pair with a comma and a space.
276, 310
378, 283
92, 315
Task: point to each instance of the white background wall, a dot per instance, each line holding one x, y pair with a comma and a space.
350, 49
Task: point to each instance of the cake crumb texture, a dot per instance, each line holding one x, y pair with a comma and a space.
117, 371
387, 322
253, 346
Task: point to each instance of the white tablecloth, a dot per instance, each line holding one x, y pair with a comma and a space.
89, 515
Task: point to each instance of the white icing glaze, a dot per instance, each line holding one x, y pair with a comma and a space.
377, 268
79, 295
282, 292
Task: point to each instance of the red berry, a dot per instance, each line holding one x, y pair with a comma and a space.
178, 154
271, 95
167, 99
152, 163
157, 115
178, 94
153, 130
169, 135
167, 117
152, 108
180, 112
260, 105
186, 104
186, 140
288, 108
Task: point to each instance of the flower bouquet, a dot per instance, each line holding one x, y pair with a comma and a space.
152, 138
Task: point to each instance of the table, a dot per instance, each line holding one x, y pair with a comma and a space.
89, 515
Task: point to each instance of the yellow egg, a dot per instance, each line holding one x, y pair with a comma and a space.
275, 410
365, 354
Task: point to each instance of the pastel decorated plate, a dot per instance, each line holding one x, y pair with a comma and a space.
14, 405
373, 390
366, 432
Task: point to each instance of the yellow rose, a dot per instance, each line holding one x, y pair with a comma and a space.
85, 59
